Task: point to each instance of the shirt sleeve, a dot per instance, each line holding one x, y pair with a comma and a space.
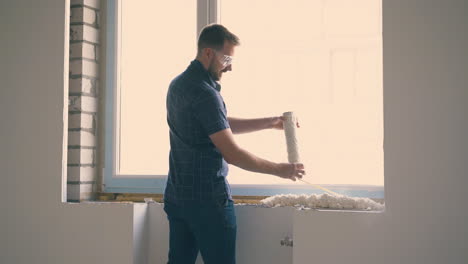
210, 111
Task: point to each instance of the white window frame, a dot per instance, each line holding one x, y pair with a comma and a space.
113, 181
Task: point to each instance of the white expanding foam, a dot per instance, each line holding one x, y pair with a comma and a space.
289, 124
323, 201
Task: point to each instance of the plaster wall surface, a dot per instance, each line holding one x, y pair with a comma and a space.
35, 226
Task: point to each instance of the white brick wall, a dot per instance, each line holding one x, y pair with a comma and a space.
73, 192
83, 100
84, 32
80, 121
90, 3
84, 67
82, 50
82, 85
81, 191
83, 103
76, 173
87, 191
80, 156
83, 15
81, 138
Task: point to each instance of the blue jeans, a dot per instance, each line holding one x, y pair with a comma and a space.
208, 227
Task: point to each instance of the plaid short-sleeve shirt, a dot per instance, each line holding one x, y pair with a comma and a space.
195, 110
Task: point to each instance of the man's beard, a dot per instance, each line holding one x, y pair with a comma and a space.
214, 74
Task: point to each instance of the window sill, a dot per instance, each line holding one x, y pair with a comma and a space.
140, 198
241, 200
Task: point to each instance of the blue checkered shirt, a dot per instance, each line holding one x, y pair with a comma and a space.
195, 110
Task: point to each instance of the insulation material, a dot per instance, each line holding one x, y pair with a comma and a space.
289, 124
323, 201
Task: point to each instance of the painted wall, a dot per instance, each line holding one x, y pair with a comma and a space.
426, 157
35, 227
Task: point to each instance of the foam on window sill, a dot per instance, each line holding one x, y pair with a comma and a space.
324, 202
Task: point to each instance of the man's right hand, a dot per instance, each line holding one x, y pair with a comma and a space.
292, 171
233, 154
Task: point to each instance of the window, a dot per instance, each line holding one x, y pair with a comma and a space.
320, 59
150, 42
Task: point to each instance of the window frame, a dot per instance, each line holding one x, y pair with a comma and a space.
208, 11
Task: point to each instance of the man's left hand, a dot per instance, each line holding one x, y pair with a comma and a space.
277, 122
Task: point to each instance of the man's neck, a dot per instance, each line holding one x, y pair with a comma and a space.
203, 62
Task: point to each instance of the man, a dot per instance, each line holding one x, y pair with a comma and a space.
197, 198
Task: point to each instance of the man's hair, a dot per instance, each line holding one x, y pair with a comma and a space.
214, 36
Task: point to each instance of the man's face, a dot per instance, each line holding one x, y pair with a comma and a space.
218, 61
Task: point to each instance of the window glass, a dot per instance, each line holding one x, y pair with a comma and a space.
322, 60
158, 41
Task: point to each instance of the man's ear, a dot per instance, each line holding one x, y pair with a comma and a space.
209, 52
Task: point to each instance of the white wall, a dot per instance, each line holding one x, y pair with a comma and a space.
35, 227
140, 233
426, 156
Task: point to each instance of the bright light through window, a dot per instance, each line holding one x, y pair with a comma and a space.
322, 60
158, 42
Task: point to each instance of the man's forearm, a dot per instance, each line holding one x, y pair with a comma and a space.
235, 155
248, 161
239, 125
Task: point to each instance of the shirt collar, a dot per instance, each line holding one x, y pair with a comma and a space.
198, 66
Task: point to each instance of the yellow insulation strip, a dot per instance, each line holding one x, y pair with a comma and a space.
322, 188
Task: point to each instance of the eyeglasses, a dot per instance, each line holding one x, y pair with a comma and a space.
225, 59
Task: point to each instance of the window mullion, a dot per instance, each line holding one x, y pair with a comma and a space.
213, 16
207, 13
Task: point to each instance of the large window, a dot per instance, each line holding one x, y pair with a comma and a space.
320, 59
